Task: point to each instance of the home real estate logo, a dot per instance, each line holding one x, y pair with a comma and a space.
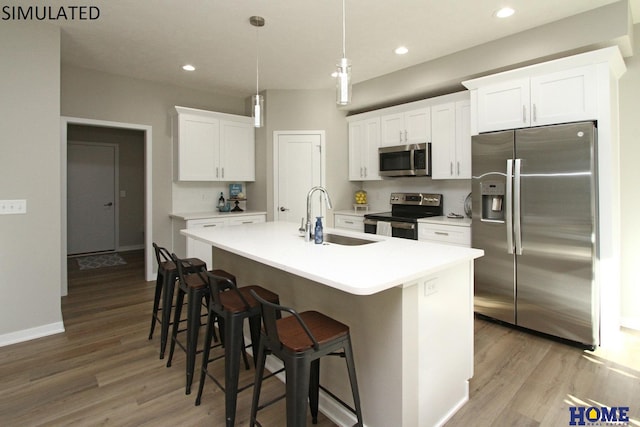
599, 416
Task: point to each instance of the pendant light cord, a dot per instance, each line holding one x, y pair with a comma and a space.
257, 63
344, 31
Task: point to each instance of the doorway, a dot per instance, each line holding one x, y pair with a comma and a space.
147, 227
299, 165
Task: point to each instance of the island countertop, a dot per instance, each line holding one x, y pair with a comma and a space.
359, 270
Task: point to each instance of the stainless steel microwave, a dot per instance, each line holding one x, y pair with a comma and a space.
405, 160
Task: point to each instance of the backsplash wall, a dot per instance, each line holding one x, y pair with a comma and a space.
199, 196
454, 191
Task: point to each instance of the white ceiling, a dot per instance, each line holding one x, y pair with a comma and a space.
300, 43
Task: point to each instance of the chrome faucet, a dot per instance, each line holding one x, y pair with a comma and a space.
307, 231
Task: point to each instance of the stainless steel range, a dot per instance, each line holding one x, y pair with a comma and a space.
406, 209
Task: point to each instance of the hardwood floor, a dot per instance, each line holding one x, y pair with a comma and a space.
103, 371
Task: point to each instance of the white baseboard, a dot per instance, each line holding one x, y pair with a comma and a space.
630, 322
130, 248
31, 334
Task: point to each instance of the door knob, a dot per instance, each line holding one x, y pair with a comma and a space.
283, 209
108, 204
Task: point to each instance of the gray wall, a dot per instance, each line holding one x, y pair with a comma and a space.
30, 169
95, 95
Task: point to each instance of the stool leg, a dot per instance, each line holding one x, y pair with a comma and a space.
232, 349
314, 389
193, 328
257, 383
156, 302
205, 354
169, 284
255, 322
176, 324
351, 367
297, 373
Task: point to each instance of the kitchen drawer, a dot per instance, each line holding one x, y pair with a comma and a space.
248, 219
206, 223
449, 234
349, 222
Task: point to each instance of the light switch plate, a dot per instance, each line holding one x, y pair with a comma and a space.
8, 207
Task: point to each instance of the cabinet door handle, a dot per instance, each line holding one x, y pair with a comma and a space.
247, 222
348, 222
223, 172
217, 173
405, 136
400, 136
458, 165
441, 233
210, 225
535, 114
365, 171
451, 168
524, 114
361, 168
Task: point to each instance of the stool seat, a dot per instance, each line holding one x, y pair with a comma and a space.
233, 302
325, 329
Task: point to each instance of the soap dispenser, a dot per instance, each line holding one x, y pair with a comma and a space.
319, 234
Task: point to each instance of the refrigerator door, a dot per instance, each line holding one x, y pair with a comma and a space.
555, 272
494, 272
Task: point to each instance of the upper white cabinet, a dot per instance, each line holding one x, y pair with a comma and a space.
409, 127
210, 146
537, 100
451, 140
364, 140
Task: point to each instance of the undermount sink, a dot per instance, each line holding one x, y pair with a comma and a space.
346, 240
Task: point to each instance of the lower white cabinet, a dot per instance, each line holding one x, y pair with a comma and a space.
458, 235
349, 222
191, 248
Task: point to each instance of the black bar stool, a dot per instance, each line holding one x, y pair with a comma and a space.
196, 286
231, 305
165, 286
300, 340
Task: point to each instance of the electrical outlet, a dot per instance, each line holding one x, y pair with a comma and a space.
430, 287
8, 207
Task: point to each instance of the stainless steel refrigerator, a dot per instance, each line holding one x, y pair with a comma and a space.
535, 215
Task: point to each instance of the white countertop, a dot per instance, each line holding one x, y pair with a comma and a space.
188, 216
359, 270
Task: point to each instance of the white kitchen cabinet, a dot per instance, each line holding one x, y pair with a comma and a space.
458, 235
349, 222
559, 97
191, 248
409, 127
364, 140
210, 146
451, 140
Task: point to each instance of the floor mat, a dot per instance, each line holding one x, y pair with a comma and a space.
97, 261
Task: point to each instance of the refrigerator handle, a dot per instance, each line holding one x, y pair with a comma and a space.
516, 207
508, 207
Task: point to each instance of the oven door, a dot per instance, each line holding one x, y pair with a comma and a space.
370, 226
404, 230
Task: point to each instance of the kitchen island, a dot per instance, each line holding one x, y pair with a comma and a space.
409, 305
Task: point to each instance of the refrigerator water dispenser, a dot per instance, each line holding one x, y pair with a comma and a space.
492, 200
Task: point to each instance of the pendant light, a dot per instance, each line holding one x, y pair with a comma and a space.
257, 100
343, 73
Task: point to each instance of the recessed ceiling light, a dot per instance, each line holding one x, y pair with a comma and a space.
505, 12
188, 67
401, 50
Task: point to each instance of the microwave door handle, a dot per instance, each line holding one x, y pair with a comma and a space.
412, 159
508, 202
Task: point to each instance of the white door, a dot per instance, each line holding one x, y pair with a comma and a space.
91, 183
299, 168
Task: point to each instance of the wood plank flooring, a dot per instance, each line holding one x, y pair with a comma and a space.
103, 371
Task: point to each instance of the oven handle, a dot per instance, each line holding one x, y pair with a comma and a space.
403, 225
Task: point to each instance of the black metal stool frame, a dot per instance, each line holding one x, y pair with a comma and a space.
165, 286
232, 335
302, 369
